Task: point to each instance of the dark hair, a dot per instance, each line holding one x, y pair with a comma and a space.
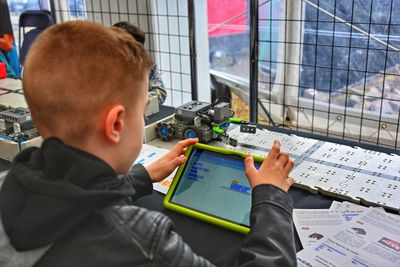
134, 31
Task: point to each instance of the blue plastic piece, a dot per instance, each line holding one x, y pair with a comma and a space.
164, 131
191, 134
6, 137
224, 125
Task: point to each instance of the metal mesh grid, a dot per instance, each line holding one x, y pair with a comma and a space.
166, 25
331, 67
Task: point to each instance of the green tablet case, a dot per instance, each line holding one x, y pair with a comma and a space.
196, 214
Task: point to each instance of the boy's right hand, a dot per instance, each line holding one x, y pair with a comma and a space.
274, 170
164, 166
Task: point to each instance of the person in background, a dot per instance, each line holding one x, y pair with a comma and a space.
156, 85
6, 37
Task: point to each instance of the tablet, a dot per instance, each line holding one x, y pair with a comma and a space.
212, 186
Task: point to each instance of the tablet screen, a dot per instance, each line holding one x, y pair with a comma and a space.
215, 184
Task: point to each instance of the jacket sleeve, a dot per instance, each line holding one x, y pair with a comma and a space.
139, 179
270, 241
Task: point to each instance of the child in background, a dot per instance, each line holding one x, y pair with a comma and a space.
156, 85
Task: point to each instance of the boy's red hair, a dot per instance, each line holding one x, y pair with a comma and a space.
75, 70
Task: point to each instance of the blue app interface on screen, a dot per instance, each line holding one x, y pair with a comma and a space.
215, 184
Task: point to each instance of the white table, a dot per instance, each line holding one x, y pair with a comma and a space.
11, 84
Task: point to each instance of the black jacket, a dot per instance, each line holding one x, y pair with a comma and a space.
69, 208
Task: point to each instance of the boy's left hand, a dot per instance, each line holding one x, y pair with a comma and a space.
164, 166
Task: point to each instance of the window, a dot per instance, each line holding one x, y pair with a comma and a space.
328, 67
77, 9
349, 70
228, 33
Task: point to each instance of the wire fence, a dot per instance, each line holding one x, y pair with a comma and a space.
166, 25
331, 67
326, 67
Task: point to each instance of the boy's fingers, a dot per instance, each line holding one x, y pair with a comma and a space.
275, 150
283, 158
176, 162
288, 167
190, 141
184, 143
250, 170
180, 159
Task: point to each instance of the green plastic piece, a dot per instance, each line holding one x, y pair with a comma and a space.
218, 130
235, 120
196, 214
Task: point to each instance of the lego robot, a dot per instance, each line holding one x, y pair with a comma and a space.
202, 120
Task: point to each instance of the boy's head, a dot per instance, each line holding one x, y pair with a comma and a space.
134, 31
87, 84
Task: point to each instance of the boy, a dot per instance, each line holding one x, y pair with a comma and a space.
64, 205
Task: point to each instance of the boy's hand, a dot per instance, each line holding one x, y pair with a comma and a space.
274, 170
164, 166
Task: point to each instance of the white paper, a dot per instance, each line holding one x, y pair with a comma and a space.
314, 224
148, 155
349, 210
373, 239
335, 205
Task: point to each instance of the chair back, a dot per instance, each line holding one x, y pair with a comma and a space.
38, 19
29, 38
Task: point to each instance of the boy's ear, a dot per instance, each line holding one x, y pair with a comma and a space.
114, 123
